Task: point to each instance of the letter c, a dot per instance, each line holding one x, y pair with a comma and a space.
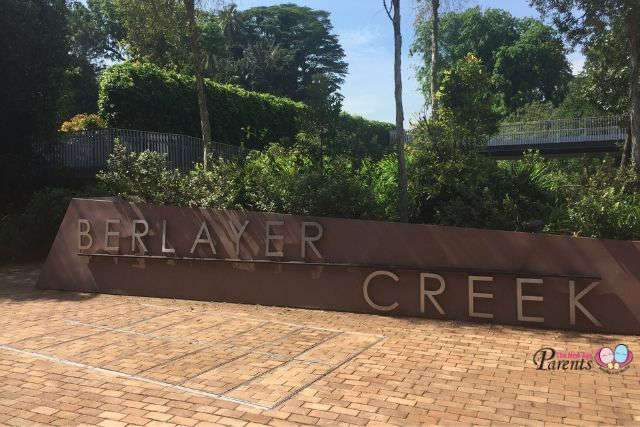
365, 290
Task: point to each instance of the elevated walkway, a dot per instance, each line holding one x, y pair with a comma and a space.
562, 136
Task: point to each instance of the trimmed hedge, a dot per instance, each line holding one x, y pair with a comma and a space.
145, 97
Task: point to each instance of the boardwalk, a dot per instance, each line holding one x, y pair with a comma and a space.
583, 135
72, 358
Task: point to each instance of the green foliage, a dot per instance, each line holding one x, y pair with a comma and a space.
534, 68
144, 96
284, 49
607, 71
448, 185
451, 186
96, 30
220, 185
81, 122
276, 179
595, 198
28, 235
34, 55
141, 176
466, 99
578, 102
525, 56
156, 31
295, 182
33, 58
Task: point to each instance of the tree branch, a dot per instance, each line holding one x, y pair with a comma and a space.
388, 9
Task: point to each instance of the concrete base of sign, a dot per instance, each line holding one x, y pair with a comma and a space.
110, 246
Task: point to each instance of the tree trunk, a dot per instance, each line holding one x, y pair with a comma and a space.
634, 113
626, 149
196, 58
399, 134
435, 23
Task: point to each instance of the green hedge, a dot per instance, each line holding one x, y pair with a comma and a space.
146, 97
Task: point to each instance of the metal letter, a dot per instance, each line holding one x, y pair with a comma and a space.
269, 237
365, 290
473, 295
431, 294
310, 239
237, 235
108, 233
520, 298
84, 233
199, 239
574, 302
137, 236
165, 249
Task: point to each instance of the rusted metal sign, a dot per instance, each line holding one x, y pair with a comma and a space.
110, 246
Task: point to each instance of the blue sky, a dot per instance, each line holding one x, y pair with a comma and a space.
366, 35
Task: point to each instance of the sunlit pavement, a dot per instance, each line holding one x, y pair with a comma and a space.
71, 358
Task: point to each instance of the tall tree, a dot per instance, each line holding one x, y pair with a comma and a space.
466, 100
166, 33
96, 31
429, 11
584, 21
156, 31
533, 68
393, 12
484, 33
33, 58
290, 47
196, 58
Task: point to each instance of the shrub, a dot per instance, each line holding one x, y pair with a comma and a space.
143, 177
453, 183
294, 181
146, 97
595, 199
219, 186
81, 122
29, 234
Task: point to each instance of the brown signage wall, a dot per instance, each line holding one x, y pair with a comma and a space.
348, 265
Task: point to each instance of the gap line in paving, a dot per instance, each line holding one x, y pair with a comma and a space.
280, 366
331, 370
133, 352
214, 344
93, 335
249, 317
70, 328
224, 395
132, 377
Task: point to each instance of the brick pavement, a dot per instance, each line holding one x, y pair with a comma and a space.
71, 358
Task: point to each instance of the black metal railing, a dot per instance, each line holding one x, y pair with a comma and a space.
88, 151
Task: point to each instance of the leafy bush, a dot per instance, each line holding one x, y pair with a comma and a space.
293, 181
143, 176
28, 235
220, 185
466, 98
448, 185
81, 122
467, 189
595, 198
146, 97
276, 180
